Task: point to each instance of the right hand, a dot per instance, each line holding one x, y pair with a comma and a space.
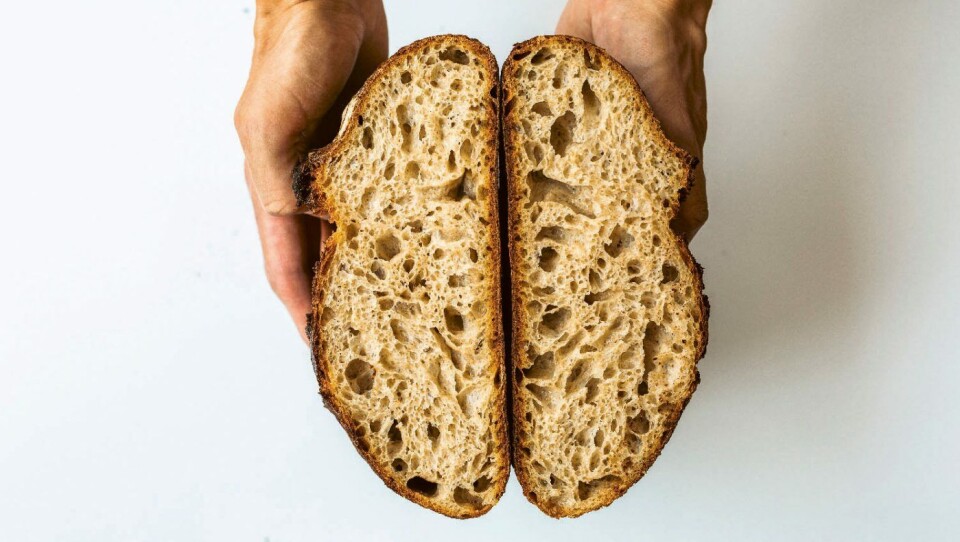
662, 43
309, 58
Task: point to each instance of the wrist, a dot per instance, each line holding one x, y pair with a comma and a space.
266, 8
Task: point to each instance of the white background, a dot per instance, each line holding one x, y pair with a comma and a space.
151, 387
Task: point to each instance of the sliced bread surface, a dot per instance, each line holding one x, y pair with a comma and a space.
405, 328
609, 319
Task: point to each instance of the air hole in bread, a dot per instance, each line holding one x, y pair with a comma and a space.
589, 61
534, 152
412, 171
481, 484
456, 85
561, 132
456, 281
591, 105
457, 56
593, 389
653, 339
594, 460
422, 134
387, 247
560, 75
433, 433
394, 437
620, 240
389, 170
577, 375
628, 358
377, 268
554, 322
360, 376
405, 77
452, 161
465, 187
543, 290
639, 424
656, 241
542, 109
466, 151
540, 56
398, 465
593, 278
403, 120
543, 188
474, 256
453, 320
592, 298
422, 486
399, 333
670, 273
554, 233
643, 388
548, 259
366, 139
521, 55
540, 392
464, 497
543, 367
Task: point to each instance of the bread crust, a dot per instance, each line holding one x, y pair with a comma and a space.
310, 177
511, 143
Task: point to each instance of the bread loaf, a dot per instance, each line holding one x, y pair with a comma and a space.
609, 319
405, 328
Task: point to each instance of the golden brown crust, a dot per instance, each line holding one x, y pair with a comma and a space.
510, 135
309, 180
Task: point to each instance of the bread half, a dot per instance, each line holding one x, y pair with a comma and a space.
406, 328
609, 319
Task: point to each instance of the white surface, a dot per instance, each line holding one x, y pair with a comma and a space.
152, 389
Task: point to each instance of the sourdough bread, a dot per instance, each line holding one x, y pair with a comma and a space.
405, 328
609, 319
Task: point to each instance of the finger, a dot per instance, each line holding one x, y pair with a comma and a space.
575, 21
286, 258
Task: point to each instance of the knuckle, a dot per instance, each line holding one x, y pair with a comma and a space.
278, 207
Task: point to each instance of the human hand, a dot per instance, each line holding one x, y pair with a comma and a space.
662, 43
309, 58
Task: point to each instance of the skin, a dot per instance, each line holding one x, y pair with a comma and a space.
311, 56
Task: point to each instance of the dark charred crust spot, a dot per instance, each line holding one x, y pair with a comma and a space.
302, 181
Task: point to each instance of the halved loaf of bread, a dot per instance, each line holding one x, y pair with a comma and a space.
406, 328
609, 319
